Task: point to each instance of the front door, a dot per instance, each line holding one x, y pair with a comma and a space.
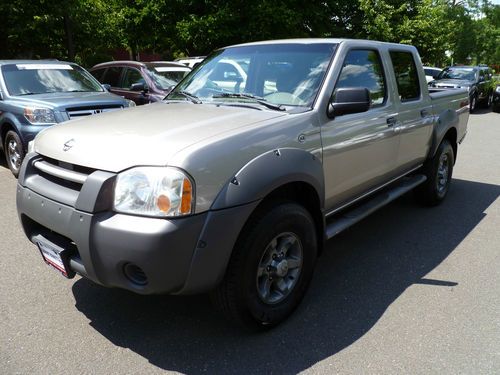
360, 150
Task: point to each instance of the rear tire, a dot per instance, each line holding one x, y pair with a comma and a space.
438, 170
14, 152
489, 100
270, 268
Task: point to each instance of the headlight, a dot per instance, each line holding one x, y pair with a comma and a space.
498, 89
39, 116
154, 191
130, 103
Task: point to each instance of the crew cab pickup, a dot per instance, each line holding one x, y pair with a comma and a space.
233, 190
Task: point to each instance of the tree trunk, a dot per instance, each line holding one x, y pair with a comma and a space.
70, 45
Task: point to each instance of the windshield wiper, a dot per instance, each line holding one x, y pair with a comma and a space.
188, 95
258, 99
30, 93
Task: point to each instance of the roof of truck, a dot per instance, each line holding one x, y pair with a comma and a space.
317, 41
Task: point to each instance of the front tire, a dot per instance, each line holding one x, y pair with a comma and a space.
14, 152
270, 268
438, 170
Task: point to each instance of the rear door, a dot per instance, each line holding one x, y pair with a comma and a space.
414, 120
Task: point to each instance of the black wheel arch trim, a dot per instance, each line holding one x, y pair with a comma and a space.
269, 171
447, 120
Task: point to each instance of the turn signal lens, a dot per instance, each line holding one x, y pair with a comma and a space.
187, 197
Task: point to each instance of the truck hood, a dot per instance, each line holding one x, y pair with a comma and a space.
146, 135
63, 100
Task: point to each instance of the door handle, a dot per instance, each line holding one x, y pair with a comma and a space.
391, 121
424, 113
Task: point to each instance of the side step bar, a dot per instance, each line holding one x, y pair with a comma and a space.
350, 217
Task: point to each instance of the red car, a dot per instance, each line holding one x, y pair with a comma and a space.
142, 82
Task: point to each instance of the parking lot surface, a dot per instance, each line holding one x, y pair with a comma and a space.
407, 290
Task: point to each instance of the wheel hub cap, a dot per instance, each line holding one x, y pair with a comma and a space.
13, 154
282, 268
279, 268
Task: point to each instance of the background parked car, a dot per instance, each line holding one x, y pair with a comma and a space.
496, 98
142, 82
35, 94
477, 79
431, 73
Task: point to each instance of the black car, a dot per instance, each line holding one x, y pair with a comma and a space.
477, 79
496, 98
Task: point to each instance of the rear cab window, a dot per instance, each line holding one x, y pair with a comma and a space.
363, 68
405, 71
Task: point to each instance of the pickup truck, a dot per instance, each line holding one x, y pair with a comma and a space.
234, 192
35, 94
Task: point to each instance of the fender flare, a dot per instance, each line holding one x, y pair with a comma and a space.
269, 171
446, 120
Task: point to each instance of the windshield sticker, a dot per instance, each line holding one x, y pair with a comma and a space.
170, 69
43, 66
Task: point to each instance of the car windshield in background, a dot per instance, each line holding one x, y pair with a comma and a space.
30, 79
165, 77
463, 73
280, 74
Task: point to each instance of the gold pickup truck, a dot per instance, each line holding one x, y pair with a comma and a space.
233, 183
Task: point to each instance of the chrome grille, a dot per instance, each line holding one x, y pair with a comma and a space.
77, 112
64, 174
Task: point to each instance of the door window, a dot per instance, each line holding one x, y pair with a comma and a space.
363, 68
406, 74
132, 76
98, 73
112, 76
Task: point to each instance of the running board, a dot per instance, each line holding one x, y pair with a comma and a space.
350, 217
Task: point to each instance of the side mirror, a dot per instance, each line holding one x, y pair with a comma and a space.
139, 86
106, 86
349, 100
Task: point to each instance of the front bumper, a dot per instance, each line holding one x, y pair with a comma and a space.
179, 256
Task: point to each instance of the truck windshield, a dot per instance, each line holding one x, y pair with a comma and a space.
287, 74
458, 73
30, 79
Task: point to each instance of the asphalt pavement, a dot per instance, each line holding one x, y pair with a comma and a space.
408, 290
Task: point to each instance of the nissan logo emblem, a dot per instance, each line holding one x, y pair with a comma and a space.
69, 144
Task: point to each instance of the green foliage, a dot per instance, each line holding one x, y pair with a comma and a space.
88, 31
